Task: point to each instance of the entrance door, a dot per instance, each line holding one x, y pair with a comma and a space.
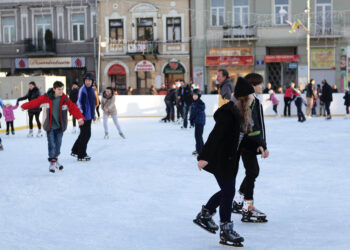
118, 83
170, 79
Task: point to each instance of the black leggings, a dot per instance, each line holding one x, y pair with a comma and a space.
80, 145
251, 166
8, 125
31, 115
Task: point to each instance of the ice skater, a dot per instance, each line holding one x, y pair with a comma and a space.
299, 101
274, 101
220, 156
86, 103
32, 94
73, 96
253, 144
109, 109
9, 117
347, 103
197, 117
327, 98
56, 106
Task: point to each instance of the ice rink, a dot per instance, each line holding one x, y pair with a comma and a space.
144, 192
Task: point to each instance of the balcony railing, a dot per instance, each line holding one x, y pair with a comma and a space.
240, 32
40, 46
142, 48
327, 25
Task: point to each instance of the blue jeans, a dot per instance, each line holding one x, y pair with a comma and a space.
185, 111
54, 139
198, 134
328, 104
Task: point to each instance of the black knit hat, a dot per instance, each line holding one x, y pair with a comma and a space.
197, 92
243, 88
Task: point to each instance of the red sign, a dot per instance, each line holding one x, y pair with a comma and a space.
229, 60
145, 66
116, 69
281, 58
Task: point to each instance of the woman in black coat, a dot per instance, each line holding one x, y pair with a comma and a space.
32, 94
220, 157
327, 97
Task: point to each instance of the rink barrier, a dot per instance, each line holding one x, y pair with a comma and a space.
153, 106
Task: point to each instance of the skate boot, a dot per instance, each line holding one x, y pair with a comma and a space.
195, 153
329, 117
85, 158
238, 203
59, 166
52, 167
228, 236
122, 135
106, 135
30, 134
39, 133
74, 155
1, 147
13, 132
204, 220
7, 132
251, 214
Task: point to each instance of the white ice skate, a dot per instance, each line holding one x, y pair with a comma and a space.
59, 166
39, 134
106, 136
30, 134
122, 135
251, 214
52, 167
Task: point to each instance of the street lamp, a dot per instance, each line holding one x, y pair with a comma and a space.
308, 40
103, 45
282, 13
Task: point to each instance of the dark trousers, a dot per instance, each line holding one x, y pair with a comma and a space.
185, 111
347, 109
301, 116
223, 198
179, 111
74, 122
80, 145
251, 166
287, 106
327, 105
198, 134
8, 124
169, 111
31, 115
275, 108
98, 111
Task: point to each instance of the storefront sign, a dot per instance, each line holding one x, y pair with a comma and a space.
174, 67
229, 60
323, 58
230, 52
198, 76
143, 66
50, 62
116, 69
259, 62
281, 58
292, 65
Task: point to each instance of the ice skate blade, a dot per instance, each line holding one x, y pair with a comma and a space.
236, 211
52, 171
224, 243
257, 220
195, 221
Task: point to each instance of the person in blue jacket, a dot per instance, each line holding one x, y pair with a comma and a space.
86, 103
197, 117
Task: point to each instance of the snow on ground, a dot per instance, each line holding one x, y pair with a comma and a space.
143, 192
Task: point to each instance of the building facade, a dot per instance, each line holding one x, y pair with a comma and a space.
243, 36
56, 37
143, 44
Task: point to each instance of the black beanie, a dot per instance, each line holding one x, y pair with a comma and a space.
243, 88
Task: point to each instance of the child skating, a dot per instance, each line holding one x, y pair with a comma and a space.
9, 117
55, 105
274, 101
109, 109
197, 117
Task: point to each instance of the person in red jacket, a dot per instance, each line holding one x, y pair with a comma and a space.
288, 94
55, 105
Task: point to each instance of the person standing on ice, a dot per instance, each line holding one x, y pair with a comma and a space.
220, 156
56, 106
299, 101
274, 101
86, 103
327, 98
32, 94
225, 87
9, 117
1, 105
347, 103
197, 117
253, 144
109, 109
73, 96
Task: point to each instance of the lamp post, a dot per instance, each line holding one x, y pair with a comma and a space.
308, 40
103, 45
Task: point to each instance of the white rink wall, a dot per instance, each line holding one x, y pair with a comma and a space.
153, 106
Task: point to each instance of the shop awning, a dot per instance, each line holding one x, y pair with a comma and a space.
229, 60
281, 58
144, 66
116, 69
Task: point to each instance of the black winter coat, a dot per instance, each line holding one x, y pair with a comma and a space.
171, 96
221, 148
310, 90
187, 96
347, 99
73, 96
31, 95
326, 93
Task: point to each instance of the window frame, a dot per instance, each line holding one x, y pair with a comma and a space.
217, 15
117, 28
78, 24
282, 6
240, 7
174, 25
144, 27
324, 27
8, 28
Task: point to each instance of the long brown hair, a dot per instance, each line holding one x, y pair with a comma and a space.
245, 112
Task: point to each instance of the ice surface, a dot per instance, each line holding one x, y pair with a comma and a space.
143, 192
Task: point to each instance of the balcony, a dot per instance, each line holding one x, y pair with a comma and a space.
240, 33
142, 48
327, 25
40, 47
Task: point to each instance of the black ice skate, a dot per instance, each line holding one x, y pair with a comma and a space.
251, 214
195, 153
59, 166
1, 147
205, 221
85, 158
230, 237
237, 208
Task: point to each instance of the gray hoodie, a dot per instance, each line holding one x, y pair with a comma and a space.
226, 89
